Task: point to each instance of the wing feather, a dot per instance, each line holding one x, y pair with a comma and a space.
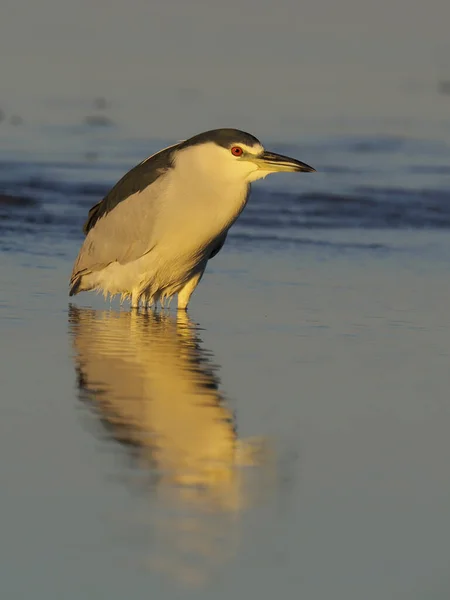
136, 180
219, 246
123, 234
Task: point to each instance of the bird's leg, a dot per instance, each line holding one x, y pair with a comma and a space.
156, 297
145, 300
135, 297
185, 293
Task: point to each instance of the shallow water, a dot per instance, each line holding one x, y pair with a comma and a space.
289, 437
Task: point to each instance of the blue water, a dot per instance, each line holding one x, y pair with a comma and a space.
364, 182
289, 437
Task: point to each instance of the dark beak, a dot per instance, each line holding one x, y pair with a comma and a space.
269, 161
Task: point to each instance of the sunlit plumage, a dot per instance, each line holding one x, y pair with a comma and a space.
151, 237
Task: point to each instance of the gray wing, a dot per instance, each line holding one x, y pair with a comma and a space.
136, 180
123, 234
119, 227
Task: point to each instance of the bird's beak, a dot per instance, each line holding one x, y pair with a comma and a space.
269, 161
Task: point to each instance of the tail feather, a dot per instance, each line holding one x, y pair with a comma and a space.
75, 287
76, 283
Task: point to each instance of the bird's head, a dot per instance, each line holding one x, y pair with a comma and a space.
232, 155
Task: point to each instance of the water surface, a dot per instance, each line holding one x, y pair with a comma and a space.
289, 437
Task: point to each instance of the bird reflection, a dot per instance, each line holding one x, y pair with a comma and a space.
155, 390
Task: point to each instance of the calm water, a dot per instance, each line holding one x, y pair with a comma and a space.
289, 438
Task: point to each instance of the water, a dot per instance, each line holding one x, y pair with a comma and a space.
289, 438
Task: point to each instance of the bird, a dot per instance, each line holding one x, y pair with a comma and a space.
152, 235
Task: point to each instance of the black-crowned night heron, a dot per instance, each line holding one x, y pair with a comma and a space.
153, 234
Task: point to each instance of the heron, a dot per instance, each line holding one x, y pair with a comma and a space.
152, 235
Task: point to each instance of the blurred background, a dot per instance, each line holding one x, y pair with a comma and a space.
285, 69
360, 89
290, 437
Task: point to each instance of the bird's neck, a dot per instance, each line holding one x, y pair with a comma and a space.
210, 207
227, 199
222, 195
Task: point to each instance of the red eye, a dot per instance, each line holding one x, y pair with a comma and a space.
237, 151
